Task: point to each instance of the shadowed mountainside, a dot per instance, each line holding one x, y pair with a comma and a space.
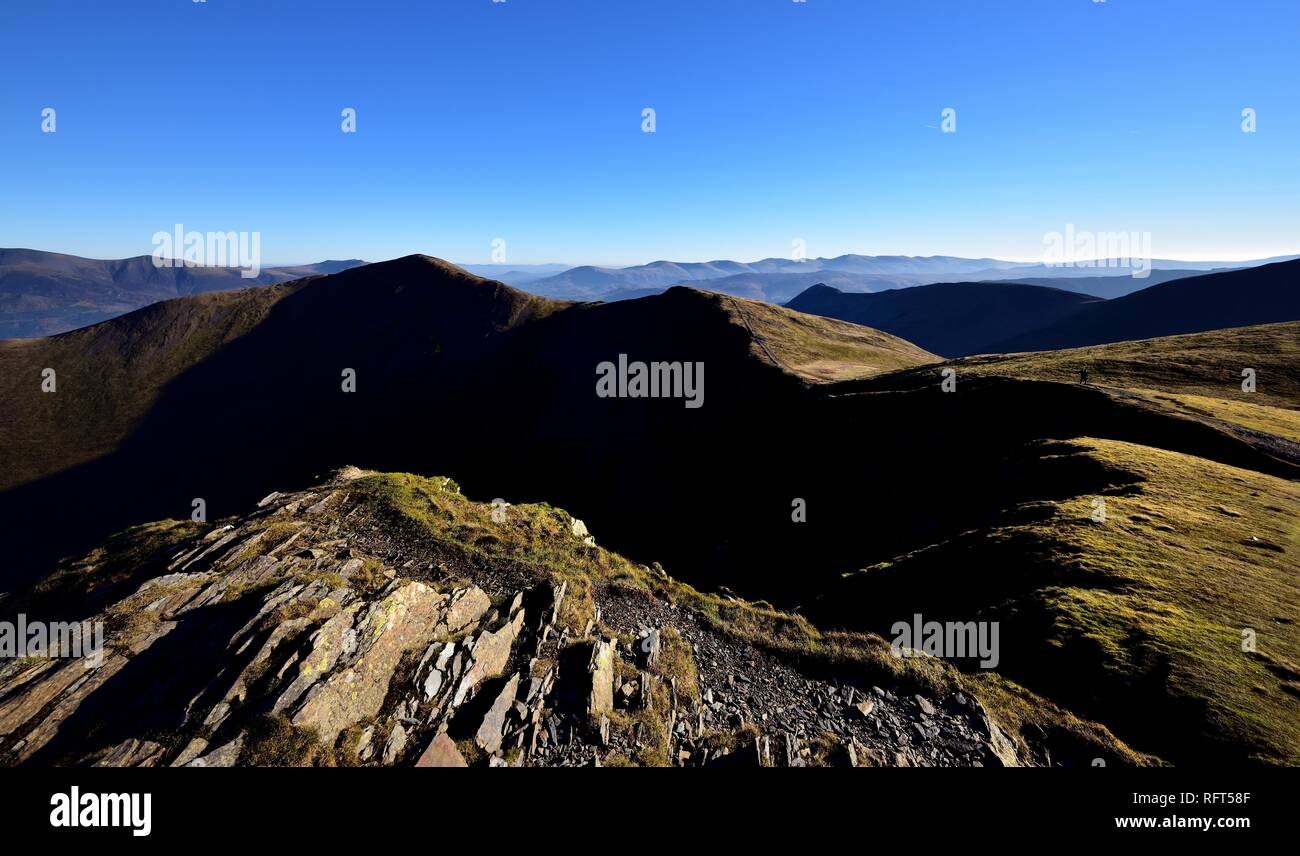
960, 319
45, 293
952, 319
1238, 298
1108, 287
218, 396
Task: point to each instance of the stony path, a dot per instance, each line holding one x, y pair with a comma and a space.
744, 684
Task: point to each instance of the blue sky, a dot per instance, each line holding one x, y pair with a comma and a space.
776, 120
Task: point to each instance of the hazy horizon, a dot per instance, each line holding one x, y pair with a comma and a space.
1082, 262
824, 122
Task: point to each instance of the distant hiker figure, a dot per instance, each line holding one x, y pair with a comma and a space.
1083, 376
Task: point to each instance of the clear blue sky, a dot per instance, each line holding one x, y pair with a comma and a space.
776, 120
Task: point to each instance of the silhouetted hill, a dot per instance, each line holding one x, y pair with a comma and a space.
953, 319
216, 395
1107, 287
1238, 298
781, 287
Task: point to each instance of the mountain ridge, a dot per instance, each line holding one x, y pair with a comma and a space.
871, 272
1240, 298
42, 293
953, 319
422, 339
961, 319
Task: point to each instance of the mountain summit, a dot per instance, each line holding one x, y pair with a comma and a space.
226, 395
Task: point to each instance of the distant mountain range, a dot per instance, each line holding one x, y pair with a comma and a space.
515, 275
782, 287
592, 283
44, 293
777, 280
959, 319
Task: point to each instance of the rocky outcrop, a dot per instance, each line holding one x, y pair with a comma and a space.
304, 634
355, 690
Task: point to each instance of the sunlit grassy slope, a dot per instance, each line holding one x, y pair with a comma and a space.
1205, 364
821, 349
1144, 620
1174, 620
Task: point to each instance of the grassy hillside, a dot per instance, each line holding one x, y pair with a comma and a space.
1206, 364
109, 375
1137, 621
821, 349
44, 293
112, 374
1197, 377
1194, 378
1280, 422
